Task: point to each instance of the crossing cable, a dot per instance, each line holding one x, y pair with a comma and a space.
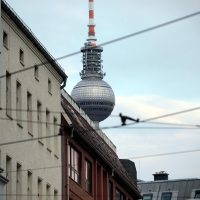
192, 126
159, 117
163, 154
44, 111
85, 195
103, 128
109, 42
130, 158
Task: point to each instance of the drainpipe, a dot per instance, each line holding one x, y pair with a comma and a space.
64, 83
72, 131
158, 190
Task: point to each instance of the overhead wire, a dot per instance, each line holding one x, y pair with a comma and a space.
130, 158
106, 43
154, 118
44, 111
164, 154
110, 127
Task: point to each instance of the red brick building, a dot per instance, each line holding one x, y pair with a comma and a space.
95, 171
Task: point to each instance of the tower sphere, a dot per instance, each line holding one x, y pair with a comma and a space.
95, 97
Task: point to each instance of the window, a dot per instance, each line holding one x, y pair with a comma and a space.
40, 196
74, 164
197, 194
166, 196
5, 39
49, 86
55, 194
19, 181
147, 197
29, 112
36, 72
19, 103
120, 195
48, 128
29, 186
88, 177
39, 119
110, 191
48, 191
9, 176
55, 138
8, 93
21, 56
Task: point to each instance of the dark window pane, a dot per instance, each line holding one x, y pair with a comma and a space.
147, 197
197, 195
166, 196
88, 177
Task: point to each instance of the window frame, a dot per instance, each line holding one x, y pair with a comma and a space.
36, 72
49, 86
88, 179
163, 193
21, 56
196, 192
149, 194
73, 170
110, 190
122, 196
5, 44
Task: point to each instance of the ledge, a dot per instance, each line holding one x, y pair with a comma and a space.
19, 125
37, 79
9, 116
49, 150
41, 142
5, 46
22, 63
30, 134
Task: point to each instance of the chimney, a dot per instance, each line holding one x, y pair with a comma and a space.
159, 176
130, 168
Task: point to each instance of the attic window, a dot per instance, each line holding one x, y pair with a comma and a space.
147, 197
197, 194
5, 39
166, 196
36, 72
21, 56
49, 86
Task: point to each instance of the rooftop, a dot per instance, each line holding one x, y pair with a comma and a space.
27, 31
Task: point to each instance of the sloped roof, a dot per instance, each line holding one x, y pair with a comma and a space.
98, 144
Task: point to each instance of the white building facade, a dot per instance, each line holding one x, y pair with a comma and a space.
29, 113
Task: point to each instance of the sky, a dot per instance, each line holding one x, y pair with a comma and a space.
151, 74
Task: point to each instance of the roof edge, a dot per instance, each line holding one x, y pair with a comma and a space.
27, 31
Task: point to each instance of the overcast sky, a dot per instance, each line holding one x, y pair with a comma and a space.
152, 74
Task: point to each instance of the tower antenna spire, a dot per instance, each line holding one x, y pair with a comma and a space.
91, 25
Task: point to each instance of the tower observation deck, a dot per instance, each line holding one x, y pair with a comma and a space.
92, 94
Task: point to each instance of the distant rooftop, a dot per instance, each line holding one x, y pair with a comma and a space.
171, 180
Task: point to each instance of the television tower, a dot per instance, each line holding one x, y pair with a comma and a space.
92, 94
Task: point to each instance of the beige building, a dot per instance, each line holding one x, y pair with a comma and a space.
29, 113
